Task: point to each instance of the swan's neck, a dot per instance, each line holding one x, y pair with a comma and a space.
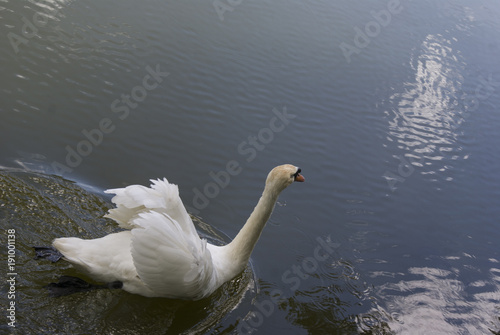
242, 246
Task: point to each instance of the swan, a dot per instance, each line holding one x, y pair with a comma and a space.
160, 253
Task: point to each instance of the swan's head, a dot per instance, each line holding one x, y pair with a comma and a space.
282, 176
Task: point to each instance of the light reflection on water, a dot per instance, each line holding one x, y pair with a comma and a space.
441, 301
426, 116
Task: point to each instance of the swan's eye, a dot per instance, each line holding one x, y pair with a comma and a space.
296, 173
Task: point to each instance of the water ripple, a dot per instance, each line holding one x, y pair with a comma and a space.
424, 118
440, 301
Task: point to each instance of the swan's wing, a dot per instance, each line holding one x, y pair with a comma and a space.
161, 197
169, 261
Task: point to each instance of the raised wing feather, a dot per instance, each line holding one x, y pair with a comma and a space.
168, 261
161, 197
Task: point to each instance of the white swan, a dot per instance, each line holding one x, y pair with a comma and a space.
160, 254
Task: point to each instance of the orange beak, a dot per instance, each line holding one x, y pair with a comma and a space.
300, 178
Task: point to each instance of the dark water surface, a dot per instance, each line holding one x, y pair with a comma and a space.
389, 107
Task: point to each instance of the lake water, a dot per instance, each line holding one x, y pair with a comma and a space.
389, 107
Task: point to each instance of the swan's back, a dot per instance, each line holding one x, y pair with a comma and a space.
105, 259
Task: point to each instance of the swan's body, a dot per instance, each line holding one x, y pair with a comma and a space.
160, 254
